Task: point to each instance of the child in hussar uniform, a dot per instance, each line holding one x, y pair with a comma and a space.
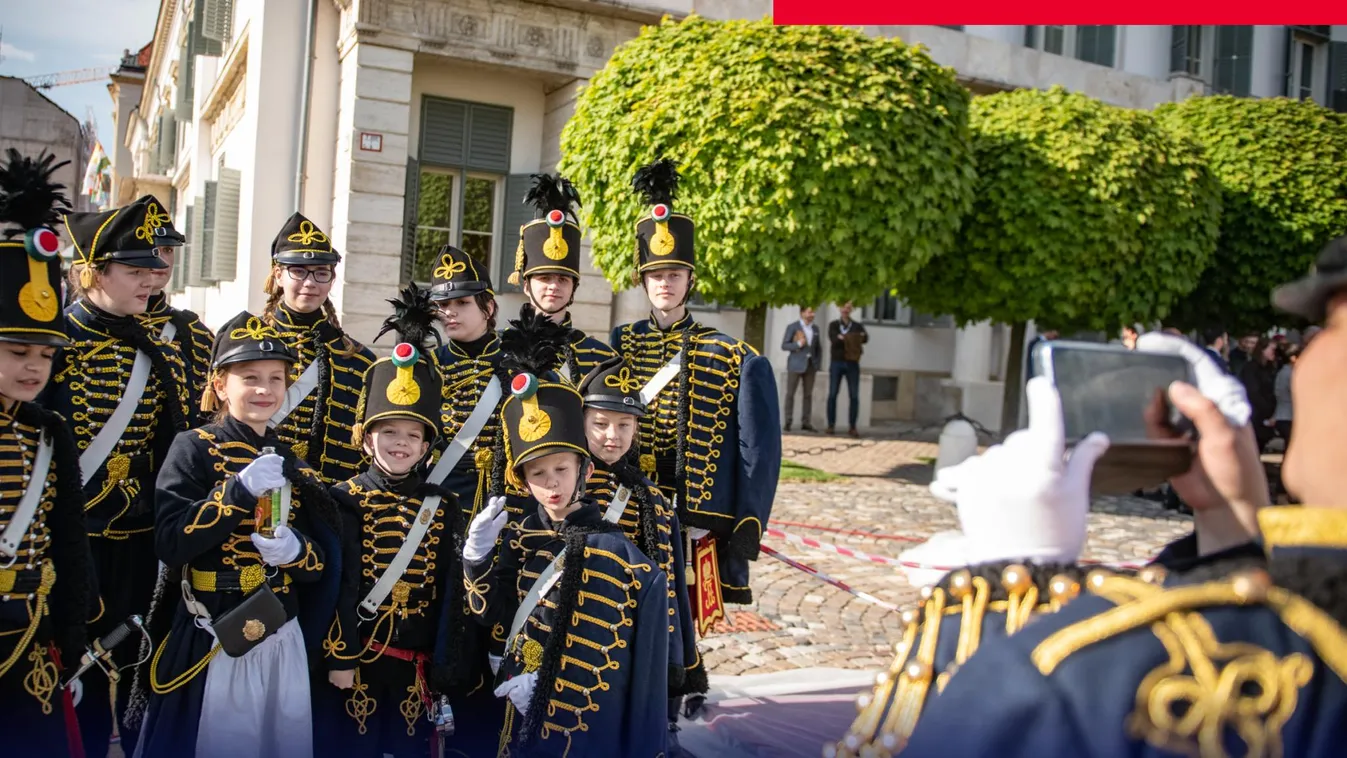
249, 536
585, 658
401, 562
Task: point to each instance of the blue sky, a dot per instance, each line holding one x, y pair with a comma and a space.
46, 36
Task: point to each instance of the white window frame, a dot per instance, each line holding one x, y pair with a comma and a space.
1318, 84
458, 178
1206, 56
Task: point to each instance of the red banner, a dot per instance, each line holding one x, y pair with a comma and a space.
707, 602
860, 12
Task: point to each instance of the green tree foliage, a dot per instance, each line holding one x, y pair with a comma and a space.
1087, 217
1282, 167
819, 164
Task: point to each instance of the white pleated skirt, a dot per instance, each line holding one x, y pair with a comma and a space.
259, 705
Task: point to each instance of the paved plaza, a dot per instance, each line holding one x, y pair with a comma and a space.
798, 621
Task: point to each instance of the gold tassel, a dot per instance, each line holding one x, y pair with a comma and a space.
86, 277
358, 431
519, 261
210, 402
269, 286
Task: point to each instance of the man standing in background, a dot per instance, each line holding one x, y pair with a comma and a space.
803, 354
845, 340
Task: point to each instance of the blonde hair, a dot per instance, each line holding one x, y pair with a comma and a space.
210, 401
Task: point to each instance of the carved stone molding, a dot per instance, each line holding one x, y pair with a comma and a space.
532, 35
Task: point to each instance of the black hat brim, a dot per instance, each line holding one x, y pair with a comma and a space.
139, 259
665, 265
246, 353
300, 259
43, 339
452, 291
615, 404
547, 449
1308, 297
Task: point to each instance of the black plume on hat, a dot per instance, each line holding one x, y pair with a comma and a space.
413, 318
28, 196
550, 192
657, 182
534, 344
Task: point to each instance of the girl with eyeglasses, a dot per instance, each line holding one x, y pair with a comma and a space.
319, 411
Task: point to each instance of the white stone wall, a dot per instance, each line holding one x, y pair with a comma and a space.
30, 123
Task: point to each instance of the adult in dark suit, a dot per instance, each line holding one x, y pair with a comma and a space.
803, 355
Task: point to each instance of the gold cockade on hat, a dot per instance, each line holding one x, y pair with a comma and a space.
308, 234
254, 328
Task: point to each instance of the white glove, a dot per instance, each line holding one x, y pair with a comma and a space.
484, 530
263, 475
1020, 499
520, 691
494, 662
1226, 391
696, 533
76, 692
279, 549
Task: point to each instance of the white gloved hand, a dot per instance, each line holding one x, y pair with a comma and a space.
281, 548
264, 474
1226, 391
494, 662
696, 533
484, 530
520, 691
1020, 499
76, 692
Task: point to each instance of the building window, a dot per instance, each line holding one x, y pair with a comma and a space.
1307, 67
889, 310
1232, 72
1092, 44
458, 186
1190, 50
955, 27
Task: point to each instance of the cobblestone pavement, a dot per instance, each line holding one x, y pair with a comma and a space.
798, 621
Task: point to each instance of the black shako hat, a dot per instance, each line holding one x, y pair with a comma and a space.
31, 204
551, 242
664, 239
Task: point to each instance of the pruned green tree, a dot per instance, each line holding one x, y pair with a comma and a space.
1087, 217
1282, 167
820, 164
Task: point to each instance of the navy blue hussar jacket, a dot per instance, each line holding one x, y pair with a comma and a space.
1249, 664
598, 640
711, 439
194, 344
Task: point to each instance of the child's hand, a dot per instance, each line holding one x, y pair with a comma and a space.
342, 680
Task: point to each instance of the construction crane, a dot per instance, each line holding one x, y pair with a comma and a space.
76, 76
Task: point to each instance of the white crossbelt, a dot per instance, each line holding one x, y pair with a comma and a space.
536, 593
32, 497
458, 447
618, 505
661, 378
296, 394
103, 443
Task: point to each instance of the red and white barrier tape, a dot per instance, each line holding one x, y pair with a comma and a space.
847, 552
839, 584
849, 532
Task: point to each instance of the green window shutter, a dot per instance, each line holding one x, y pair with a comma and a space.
217, 20
168, 142
444, 132
517, 213
1234, 58
201, 43
489, 139
212, 199
186, 65
196, 236
1337, 76
410, 198
225, 242
178, 279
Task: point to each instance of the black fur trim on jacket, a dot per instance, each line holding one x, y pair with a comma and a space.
312, 493
133, 333
75, 588
458, 671
322, 358
1322, 581
163, 607
684, 401
569, 591
632, 478
694, 681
